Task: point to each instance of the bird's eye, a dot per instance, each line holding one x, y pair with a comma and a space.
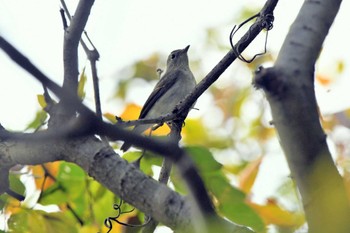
173, 56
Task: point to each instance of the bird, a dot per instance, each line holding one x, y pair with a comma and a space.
176, 83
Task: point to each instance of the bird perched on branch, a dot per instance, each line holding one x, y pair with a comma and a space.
176, 83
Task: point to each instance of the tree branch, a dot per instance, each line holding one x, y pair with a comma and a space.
93, 125
185, 105
104, 165
70, 47
289, 88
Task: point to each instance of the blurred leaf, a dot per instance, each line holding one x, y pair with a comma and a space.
147, 69
72, 178
42, 101
346, 178
272, 213
3, 201
16, 184
110, 117
90, 229
81, 84
230, 99
53, 195
258, 131
39, 174
131, 112
235, 169
195, 133
248, 175
148, 160
38, 121
97, 190
203, 159
69, 186
323, 79
39, 221
340, 66
231, 202
242, 214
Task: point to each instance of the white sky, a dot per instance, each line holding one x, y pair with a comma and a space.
124, 31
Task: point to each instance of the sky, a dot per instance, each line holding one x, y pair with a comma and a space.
122, 31
125, 31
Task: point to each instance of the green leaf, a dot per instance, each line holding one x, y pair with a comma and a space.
231, 202
69, 186
42, 101
203, 159
16, 184
58, 222
18, 222
38, 121
242, 214
147, 161
40, 222
53, 195
72, 178
3, 201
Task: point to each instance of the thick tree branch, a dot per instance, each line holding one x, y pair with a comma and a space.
123, 179
289, 88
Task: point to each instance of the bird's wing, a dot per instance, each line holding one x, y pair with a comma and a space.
164, 84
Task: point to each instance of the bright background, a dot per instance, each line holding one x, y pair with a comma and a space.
127, 31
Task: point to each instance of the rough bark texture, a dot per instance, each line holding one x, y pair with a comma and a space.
289, 88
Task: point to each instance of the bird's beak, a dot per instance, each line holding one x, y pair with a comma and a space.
186, 48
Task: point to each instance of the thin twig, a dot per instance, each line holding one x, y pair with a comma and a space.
93, 56
71, 40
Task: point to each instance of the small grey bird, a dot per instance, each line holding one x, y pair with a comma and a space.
177, 82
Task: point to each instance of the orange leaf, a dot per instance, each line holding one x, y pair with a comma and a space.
39, 174
272, 213
125, 218
248, 175
131, 112
323, 79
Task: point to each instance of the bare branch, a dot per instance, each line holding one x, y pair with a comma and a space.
71, 40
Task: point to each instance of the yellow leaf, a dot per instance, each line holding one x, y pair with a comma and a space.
110, 117
248, 175
42, 101
132, 112
340, 66
272, 213
81, 84
12, 206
